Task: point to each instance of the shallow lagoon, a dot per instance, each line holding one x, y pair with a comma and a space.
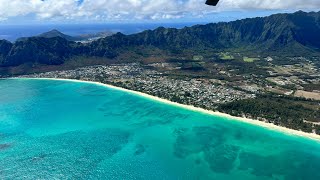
66, 130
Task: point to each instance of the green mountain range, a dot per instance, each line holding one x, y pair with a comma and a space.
296, 34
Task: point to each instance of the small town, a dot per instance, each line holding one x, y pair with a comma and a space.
203, 93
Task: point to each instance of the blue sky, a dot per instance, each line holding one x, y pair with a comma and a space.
133, 11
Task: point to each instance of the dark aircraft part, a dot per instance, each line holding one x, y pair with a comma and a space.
212, 2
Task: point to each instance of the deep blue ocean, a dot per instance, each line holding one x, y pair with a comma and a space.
66, 130
12, 32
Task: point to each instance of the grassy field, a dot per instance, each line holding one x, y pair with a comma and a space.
248, 59
226, 56
307, 95
197, 58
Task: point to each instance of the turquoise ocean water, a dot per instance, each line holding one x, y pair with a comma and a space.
65, 130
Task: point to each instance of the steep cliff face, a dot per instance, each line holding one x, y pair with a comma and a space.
39, 50
276, 32
5, 47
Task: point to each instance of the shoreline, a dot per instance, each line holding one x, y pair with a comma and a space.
270, 126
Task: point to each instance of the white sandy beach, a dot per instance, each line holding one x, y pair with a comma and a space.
196, 109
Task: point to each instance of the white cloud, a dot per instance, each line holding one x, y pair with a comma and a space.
271, 4
108, 10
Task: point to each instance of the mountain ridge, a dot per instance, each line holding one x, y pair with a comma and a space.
281, 34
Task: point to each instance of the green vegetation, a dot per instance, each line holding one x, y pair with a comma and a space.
284, 111
197, 58
225, 56
193, 66
248, 59
311, 87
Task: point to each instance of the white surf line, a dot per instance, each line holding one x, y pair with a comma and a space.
196, 109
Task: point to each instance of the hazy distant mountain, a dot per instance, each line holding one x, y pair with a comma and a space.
56, 33
83, 37
94, 36
51, 34
294, 34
